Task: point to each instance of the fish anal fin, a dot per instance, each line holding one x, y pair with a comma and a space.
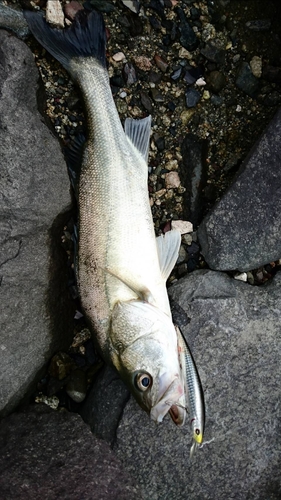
168, 249
138, 131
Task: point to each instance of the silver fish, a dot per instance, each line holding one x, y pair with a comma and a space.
194, 392
122, 268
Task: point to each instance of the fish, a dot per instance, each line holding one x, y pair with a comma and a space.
122, 268
195, 396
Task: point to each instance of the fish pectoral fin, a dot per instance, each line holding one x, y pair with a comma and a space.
142, 292
168, 246
138, 131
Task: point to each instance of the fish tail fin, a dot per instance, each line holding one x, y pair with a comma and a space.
86, 37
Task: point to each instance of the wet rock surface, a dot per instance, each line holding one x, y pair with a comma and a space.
50, 455
234, 332
105, 403
34, 190
242, 232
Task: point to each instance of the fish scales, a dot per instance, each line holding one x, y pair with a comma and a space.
122, 268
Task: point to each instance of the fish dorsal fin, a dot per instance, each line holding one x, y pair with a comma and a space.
138, 131
142, 292
168, 246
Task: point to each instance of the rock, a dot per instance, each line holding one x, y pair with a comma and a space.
71, 9
104, 404
76, 387
186, 115
183, 226
133, 5
242, 231
54, 13
214, 53
130, 74
161, 63
192, 97
118, 56
13, 20
143, 63
256, 66
172, 180
246, 81
146, 101
216, 81
259, 25
234, 333
188, 39
53, 455
193, 174
157, 96
36, 318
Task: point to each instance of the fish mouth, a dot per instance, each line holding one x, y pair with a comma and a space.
170, 402
177, 414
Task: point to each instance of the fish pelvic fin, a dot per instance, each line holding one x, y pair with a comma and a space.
86, 37
138, 131
168, 250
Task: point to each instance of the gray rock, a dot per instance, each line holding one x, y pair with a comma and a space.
245, 79
193, 173
105, 403
192, 97
34, 189
243, 231
234, 331
53, 455
13, 20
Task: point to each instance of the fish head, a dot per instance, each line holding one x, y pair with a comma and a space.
145, 353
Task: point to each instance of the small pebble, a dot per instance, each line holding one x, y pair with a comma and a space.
54, 13
172, 180
182, 257
183, 226
241, 277
186, 115
256, 66
259, 25
71, 9
130, 74
192, 97
119, 56
143, 63
161, 63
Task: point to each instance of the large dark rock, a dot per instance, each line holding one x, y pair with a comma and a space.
193, 173
234, 331
34, 190
243, 231
53, 455
104, 405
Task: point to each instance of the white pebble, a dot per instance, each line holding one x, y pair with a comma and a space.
200, 82
123, 94
119, 56
241, 277
183, 226
54, 13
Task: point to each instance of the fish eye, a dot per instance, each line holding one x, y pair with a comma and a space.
197, 432
143, 381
